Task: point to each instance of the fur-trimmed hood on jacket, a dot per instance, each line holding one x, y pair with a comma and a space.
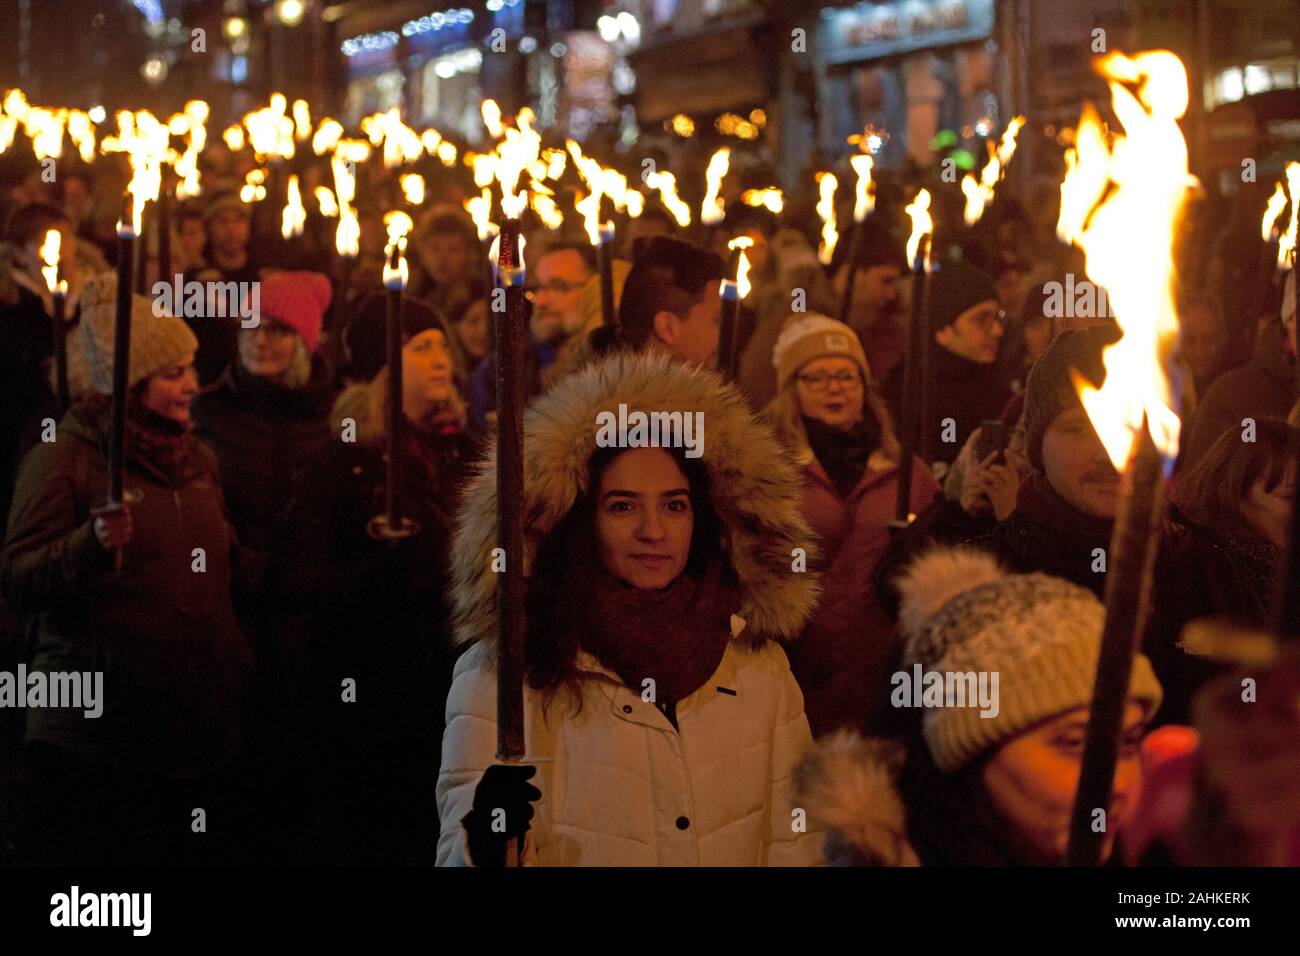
365, 405
847, 785
756, 489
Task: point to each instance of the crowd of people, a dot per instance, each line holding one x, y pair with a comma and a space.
714, 640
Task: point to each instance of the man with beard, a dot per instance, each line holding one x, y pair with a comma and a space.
554, 328
1065, 510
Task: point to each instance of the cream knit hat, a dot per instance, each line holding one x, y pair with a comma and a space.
1041, 635
156, 340
809, 336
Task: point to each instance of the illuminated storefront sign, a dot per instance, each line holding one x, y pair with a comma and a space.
869, 30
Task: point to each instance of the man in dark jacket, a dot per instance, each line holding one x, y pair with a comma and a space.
1065, 511
1263, 388
966, 384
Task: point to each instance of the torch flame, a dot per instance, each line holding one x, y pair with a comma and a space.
413, 188
302, 119
294, 216
769, 198
543, 203
922, 225
521, 147
713, 208
1286, 245
1273, 212
480, 210
826, 184
187, 167
588, 206
741, 243
864, 199
1123, 207
325, 199
666, 183
399, 226
492, 119
979, 193
327, 136
49, 253
347, 236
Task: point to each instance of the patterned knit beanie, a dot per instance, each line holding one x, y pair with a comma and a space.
156, 340
1050, 389
962, 614
809, 336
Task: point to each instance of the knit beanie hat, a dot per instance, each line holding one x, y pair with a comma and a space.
220, 202
156, 340
808, 336
366, 337
1040, 635
955, 287
877, 247
299, 300
1050, 389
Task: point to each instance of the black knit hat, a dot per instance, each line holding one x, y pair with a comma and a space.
879, 246
366, 335
955, 287
1050, 389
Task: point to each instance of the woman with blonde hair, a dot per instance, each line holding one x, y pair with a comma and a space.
829, 413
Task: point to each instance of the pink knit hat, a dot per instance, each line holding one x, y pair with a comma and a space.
299, 300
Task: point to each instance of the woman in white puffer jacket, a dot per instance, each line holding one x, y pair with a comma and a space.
662, 723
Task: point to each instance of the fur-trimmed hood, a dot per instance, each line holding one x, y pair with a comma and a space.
846, 783
364, 404
756, 489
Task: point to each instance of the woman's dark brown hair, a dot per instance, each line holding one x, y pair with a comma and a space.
568, 562
1211, 492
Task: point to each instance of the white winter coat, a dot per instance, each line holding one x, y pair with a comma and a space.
621, 787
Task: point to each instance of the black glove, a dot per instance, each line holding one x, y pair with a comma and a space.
503, 787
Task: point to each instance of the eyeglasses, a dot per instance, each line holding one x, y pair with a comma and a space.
821, 381
987, 320
556, 286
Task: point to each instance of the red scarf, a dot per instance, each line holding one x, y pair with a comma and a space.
675, 637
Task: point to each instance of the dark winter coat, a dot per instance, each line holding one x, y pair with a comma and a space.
839, 659
1047, 534
965, 391
1263, 388
374, 613
27, 335
1202, 572
162, 632
264, 435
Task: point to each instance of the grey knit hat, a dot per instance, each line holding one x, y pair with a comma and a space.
1050, 389
962, 614
156, 340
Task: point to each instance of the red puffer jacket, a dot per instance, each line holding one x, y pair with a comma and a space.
840, 658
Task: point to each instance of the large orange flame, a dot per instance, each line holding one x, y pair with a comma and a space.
1121, 208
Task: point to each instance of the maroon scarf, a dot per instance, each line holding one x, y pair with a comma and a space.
676, 636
